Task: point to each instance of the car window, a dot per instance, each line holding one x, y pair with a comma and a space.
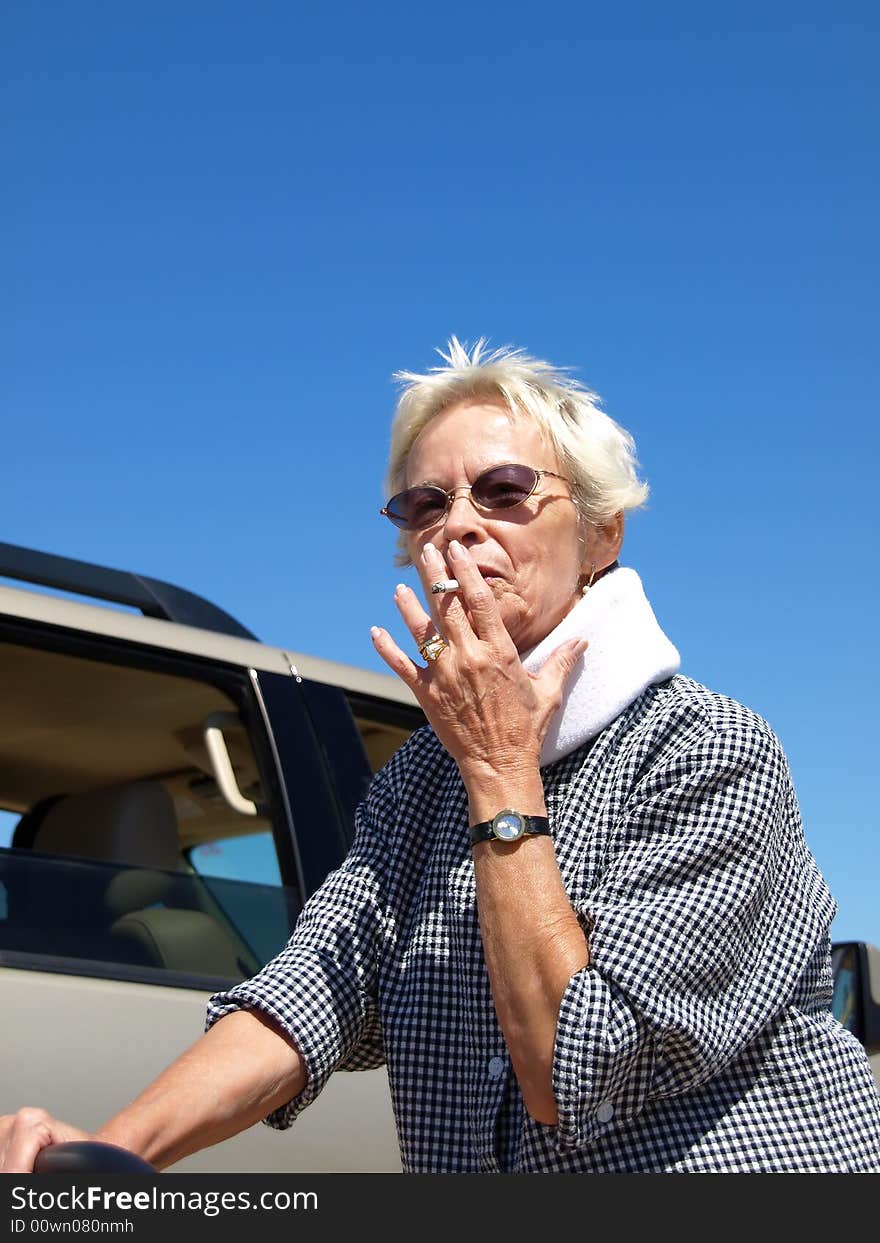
244, 878
8, 821
78, 911
110, 796
845, 996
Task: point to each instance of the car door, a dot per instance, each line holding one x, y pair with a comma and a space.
133, 884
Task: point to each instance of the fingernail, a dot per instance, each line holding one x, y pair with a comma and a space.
400, 589
456, 549
375, 632
429, 547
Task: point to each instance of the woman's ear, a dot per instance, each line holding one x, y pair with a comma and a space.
614, 531
602, 545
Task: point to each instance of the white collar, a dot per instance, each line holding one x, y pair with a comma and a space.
628, 652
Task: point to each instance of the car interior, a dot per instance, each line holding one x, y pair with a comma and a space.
108, 769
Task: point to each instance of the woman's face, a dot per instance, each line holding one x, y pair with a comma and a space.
535, 556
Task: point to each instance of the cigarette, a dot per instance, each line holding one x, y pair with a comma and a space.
446, 586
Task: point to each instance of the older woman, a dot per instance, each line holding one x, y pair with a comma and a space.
579, 920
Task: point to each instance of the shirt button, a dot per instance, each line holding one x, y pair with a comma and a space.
496, 1067
604, 1111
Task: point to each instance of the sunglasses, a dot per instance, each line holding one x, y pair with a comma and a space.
500, 487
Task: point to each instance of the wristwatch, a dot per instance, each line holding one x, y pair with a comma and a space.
508, 826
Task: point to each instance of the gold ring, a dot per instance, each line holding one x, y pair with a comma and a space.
432, 649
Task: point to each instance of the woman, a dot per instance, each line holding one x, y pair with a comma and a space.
579, 920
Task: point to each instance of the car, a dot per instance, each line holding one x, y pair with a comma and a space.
171, 792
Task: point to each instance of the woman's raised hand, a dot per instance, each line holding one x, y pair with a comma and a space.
490, 714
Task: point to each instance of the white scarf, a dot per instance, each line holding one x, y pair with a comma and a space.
628, 652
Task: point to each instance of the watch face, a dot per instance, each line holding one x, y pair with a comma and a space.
508, 826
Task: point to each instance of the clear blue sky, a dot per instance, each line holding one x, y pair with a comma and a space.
227, 224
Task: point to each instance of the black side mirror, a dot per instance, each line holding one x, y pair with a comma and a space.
87, 1156
856, 1003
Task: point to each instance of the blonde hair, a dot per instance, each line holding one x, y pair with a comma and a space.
597, 455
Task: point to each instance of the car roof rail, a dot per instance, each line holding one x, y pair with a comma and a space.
153, 597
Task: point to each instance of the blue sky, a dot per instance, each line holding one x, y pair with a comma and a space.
228, 224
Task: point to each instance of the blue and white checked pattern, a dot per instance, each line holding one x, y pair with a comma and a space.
700, 1036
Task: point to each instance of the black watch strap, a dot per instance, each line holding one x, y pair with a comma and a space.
508, 826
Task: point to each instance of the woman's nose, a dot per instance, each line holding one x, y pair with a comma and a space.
462, 520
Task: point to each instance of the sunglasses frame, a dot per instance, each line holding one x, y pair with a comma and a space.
450, 496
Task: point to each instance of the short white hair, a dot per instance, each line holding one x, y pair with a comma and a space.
597, 455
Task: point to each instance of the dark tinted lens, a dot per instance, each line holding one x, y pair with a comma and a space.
502, 487
417, 508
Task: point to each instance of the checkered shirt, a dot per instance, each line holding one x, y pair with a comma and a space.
698, 1039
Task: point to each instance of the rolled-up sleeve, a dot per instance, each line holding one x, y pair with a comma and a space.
707, 912
320, 989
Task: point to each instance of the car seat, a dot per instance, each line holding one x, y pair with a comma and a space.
128, 902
